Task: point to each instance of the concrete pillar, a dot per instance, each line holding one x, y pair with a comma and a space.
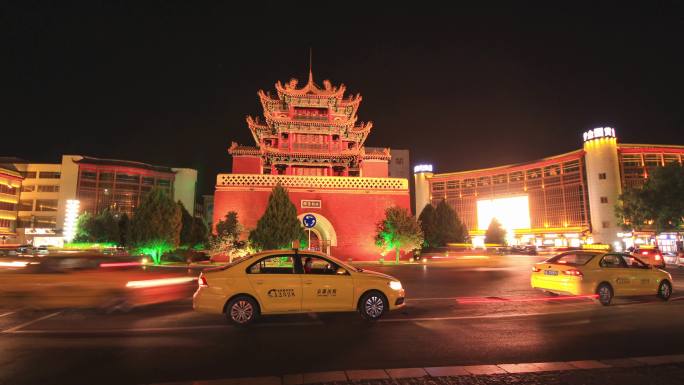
421, 174
603, 181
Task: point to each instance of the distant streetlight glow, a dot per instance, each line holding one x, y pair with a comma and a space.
70, 217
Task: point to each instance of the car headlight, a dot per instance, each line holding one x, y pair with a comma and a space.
395, 285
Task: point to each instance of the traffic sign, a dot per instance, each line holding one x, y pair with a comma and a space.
309, 221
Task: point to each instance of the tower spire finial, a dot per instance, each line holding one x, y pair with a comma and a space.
310, 65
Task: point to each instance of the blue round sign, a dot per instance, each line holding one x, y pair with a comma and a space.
309, 221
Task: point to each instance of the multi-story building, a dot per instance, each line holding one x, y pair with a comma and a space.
309, 141
10, 186
97, 184
562, 200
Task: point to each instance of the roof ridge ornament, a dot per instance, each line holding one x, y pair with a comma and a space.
310, 66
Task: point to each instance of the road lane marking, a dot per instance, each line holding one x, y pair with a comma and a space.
6, 314
25, 324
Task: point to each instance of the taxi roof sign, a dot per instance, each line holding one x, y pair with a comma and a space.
596, 246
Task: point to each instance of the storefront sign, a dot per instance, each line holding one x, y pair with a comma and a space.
311, 204
39, 231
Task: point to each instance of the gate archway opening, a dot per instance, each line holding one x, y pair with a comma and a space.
323, 235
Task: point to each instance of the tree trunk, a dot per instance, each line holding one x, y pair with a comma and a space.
397, 255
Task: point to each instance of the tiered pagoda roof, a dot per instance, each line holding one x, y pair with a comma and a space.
308, 125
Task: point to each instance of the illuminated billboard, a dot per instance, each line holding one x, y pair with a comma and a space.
511, 212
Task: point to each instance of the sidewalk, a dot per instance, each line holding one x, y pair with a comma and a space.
661, 370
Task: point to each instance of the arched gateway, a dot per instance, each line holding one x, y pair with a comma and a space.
323, 235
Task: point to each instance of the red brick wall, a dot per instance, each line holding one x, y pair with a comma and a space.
352, 215
246, 165
374, 169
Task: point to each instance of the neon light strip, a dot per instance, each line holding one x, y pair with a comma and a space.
120, 264
159, 282
532, 299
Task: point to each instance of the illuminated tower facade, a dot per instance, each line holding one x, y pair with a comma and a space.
309, 140
309, 131
421, 174
603, 182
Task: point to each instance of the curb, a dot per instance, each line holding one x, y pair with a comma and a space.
442, 371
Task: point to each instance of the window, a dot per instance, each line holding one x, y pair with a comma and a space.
602, 175
29, 174
604, 199
25, 205
46, 204
634, 263
128, 178
5, 189
49, 175
605, 224
48, 188
8, 206
91, 175
572, 259
28, 188
45, 222
612, 261
273, 265
163, 182
317, 265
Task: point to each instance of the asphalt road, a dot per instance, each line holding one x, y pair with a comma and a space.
470, 312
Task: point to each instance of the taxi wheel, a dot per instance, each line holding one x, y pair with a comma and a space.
605, 294
373, 305
242, 310
664, 290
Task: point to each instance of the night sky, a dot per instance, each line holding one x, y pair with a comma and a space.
171, 84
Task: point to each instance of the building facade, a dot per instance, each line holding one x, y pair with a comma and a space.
10, 188
97, 184
399, 164
309, 141
562, 200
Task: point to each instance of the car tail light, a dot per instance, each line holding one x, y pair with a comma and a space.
202, 281
573, 272
658, 257
535, 269
644, 253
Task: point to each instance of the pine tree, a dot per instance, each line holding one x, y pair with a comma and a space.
186, 226
279, 226
124, 230
449, 227
428, 224
229, 226
495, 233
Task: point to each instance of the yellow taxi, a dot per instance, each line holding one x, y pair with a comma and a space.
600, 274
292, 281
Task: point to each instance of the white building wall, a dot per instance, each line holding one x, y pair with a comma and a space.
184, 188
422, 190
602, 158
